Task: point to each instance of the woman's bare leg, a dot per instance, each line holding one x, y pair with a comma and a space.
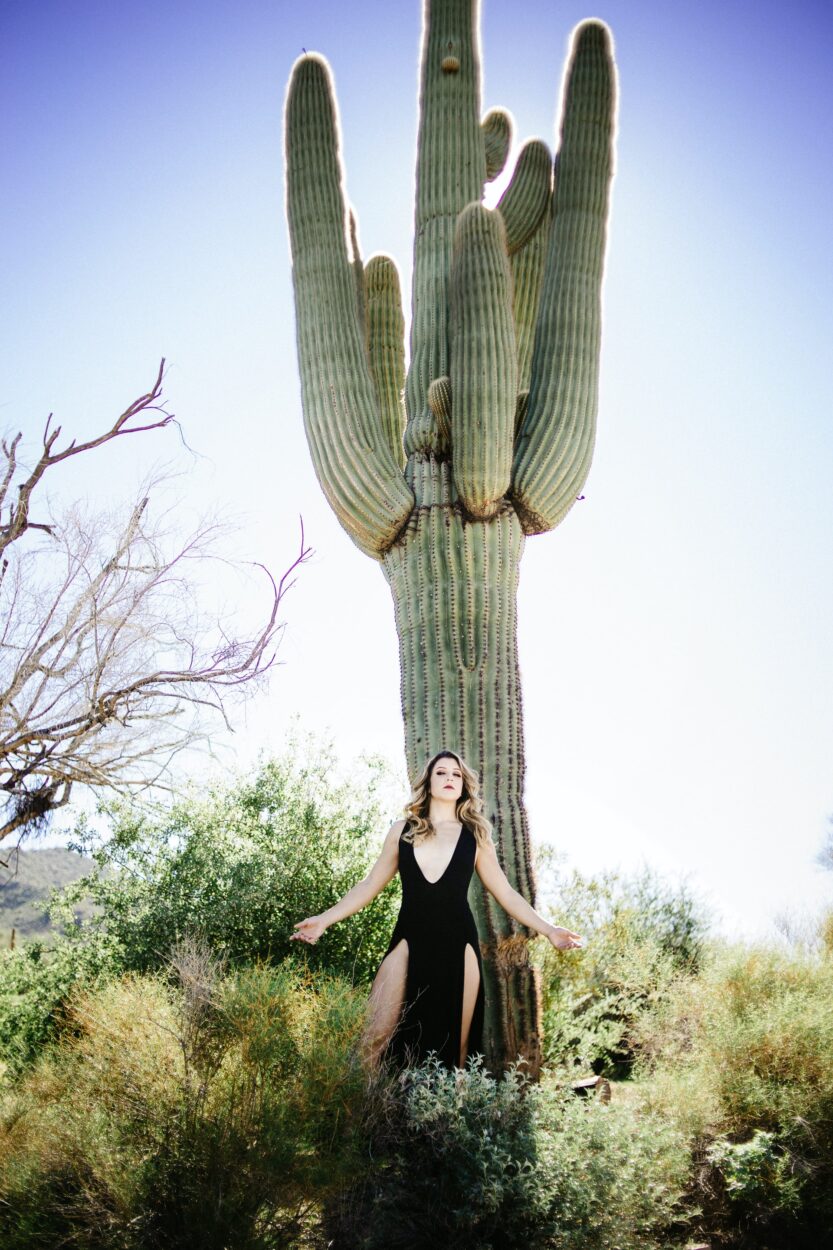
387, 997
471, 985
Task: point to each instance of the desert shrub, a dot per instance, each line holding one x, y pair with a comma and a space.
667, 913
240, 864
35, 980
640, 932
741, 1058
805, 931
756, 1173
212, 1112
826, 934
464, 1160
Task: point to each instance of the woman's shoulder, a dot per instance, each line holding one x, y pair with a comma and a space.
483, 840
473, 838
393, 838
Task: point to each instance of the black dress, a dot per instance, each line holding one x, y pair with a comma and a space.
437, 923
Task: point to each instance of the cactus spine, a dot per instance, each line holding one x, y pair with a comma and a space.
495, 436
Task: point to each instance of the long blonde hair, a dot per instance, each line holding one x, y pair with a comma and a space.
469, 805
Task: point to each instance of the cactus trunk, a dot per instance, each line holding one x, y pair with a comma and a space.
454, 583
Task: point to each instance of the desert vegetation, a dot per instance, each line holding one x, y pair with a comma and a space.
176, 1073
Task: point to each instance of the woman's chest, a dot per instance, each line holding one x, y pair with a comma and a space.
438, 859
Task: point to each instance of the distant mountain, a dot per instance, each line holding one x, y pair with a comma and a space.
25, 887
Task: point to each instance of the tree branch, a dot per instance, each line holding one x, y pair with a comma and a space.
107, 668
18, 514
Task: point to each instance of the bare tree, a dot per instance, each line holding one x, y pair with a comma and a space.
107, 667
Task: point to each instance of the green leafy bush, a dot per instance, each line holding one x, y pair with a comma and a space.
237, 866
464, 1160
210, 1113
741, 1058
640, 935
241, 864
756, 1173
35, 980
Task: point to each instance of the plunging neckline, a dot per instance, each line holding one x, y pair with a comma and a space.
448, 865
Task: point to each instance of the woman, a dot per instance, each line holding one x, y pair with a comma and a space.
430, 982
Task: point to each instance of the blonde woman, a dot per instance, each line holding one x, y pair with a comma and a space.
428, 992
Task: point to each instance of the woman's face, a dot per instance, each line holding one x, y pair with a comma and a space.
446, 779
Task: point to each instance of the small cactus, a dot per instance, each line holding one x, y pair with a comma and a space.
441, 472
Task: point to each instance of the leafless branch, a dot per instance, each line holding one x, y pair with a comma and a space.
108, 665
17, 522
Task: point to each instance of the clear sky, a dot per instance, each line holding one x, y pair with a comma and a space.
675, 631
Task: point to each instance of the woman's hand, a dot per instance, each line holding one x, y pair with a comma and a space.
564, 939
309, 930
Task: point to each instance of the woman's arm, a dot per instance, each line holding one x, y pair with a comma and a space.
497, 883
383, 871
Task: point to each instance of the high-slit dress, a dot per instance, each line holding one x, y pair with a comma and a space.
437, 923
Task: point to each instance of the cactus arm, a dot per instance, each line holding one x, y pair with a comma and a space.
496, 129
439, 403
386, 348
358, 271
555, 444
527, 277
525, 200
353, 462
451, 169
484, 375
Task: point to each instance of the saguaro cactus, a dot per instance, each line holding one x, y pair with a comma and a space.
494, 437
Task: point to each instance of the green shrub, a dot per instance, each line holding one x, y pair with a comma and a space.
212, 1113
464, 1160
237, 866
664, 913
35, 979
640, 934
741, 1058
240, 865
756, 1173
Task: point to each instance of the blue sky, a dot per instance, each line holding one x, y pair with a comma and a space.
675, 630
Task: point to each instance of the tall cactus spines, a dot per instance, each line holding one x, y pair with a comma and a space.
494, 436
